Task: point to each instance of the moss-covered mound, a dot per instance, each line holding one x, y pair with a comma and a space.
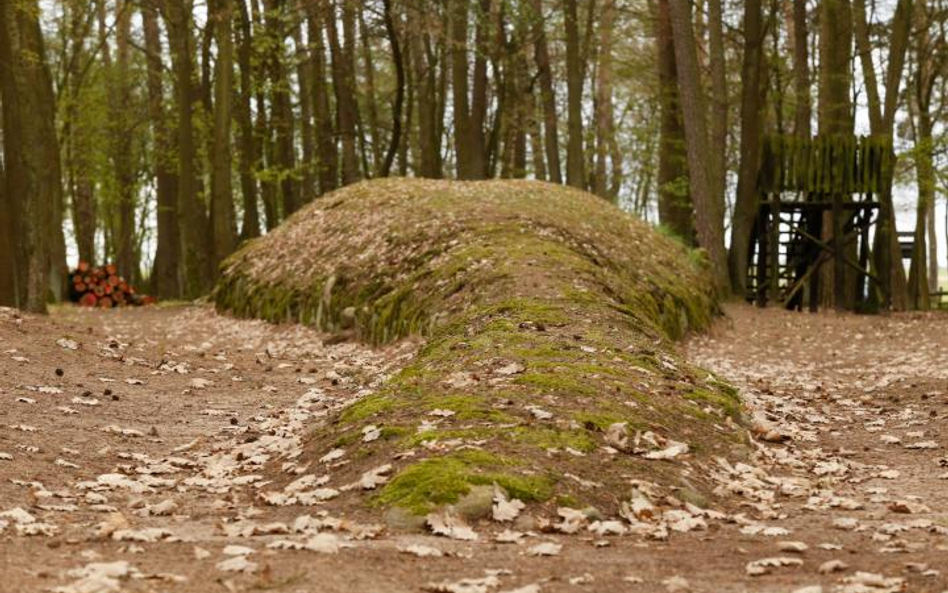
548, 314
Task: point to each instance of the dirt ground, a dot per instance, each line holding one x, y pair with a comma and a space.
128, 440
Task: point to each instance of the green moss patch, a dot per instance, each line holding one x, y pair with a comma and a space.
548, 316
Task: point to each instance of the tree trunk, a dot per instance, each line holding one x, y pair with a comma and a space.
397, 62
708, 210
925, 175
801, 71
249, 151
745, 206
477, 138
371, 105
9, 217
920, 112
835, 117
78, 163
122, 129
888, 254
32, 170
327, 166
223, 223
575, 159
605, 119
304, 74
190, 215
424, 66
718, 156
547, 96
165, 276
281, 116
343, 72
675, 208
932, 248
464, 151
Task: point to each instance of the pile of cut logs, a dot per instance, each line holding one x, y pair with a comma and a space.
101, 286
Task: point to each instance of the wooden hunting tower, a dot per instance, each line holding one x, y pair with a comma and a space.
818, 200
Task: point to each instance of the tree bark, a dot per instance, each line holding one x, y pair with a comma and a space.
281, 116
745, 206
122, 131
397, 62
708, 210
249, 152
718, 156
886, 248
675, 208
424, 66
9, 217
547, 96
920, 111
371, 105
575, 159
343, 69
165, 276
605, 119
327, 166
463, 126
801, 71
223, 221
190, 212
32, 170
304, 74
477, 138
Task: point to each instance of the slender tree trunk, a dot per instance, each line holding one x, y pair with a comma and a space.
745, 207
547, 95
399, 65
77, 163
371, 105
460, 12
575, 159
304, 74
193, 243
605, 120
675, 208
343, 69
835, 117
918, 286
249, 152
122, 131
801, 71
268, 185
166, 277
708, 210
920, 111
223, 220
281, 117
537, 141
888, 254
932, 247
424, 65
718, 129
477, 138
327, 166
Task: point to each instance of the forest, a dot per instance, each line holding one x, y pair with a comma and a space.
473, 296
158, 135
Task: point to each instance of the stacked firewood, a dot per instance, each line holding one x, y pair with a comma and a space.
101, 286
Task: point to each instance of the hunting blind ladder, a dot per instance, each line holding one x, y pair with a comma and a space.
818, 200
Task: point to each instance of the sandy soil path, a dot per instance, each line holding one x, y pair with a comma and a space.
117, 428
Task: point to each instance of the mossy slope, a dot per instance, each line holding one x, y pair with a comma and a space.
549, 316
